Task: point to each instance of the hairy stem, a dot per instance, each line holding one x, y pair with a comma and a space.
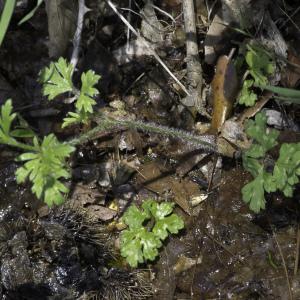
205, 142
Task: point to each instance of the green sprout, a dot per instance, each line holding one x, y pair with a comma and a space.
261, 65
57, 80
140, 243
286, 169
44, 161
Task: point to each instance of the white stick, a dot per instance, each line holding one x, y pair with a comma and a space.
82, 10
129, 20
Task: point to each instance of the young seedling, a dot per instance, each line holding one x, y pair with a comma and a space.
140, 243
44, 160
57, 79
286, 169
260, 65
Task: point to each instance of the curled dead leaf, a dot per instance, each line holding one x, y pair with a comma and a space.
225, 89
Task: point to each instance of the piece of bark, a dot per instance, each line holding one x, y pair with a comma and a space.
194, 68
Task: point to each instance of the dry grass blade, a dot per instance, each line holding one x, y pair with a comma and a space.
297, 252
284, 266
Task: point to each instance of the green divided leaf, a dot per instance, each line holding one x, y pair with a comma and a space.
7, 135
260, 62
45, 167
170, 224
6, 117
131, 247
71, 119
253, 193
158, 211
85, 101
57, 79
247, 96
251, 164
150, 243
139, 243
260, 66
135, 218
286, 169
266, 138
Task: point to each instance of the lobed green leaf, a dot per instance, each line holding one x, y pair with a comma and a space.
7, 117
261, 64
253, 194
140, 243
135, 218
74, 118
45, 167
158, 211
57, 78
172, 224
266, 138
285, 172
247, 96
131, 247
85, 102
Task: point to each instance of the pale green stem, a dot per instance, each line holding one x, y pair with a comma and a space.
13, 143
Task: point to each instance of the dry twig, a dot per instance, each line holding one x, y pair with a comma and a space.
297, 252
284, 266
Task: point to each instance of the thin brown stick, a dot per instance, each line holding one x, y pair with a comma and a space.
211, 177
284, 266
252, 111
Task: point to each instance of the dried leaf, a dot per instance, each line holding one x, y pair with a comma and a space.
225, 89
